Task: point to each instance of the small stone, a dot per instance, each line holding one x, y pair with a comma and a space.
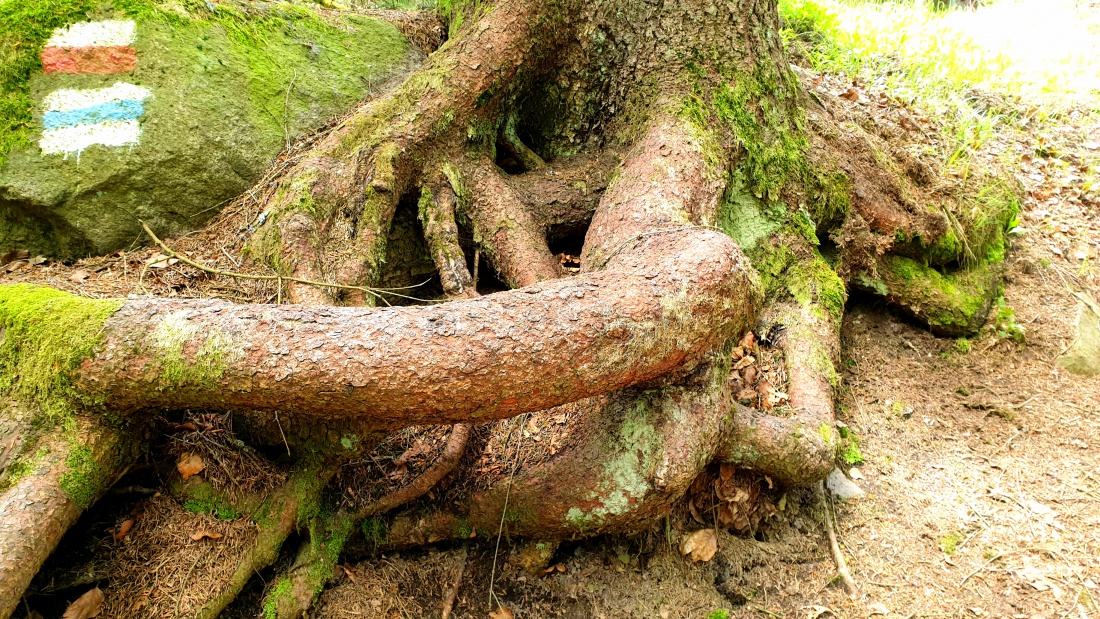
855, 473
842, 487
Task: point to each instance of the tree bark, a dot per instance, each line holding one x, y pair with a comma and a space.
677, 139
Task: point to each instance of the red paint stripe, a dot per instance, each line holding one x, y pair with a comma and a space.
100, 60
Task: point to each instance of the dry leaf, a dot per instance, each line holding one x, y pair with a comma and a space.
190, 464
748, 341
79, 276
851, 94
350, 573
701, 545
502, 613
726, 471
749, 374
199, 535
85, 606
744, 362
746, 396
878, 608
124, 528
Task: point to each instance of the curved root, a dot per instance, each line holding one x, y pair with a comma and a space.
800, 448
447, 461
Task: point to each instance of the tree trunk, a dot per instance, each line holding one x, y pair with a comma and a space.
674, 136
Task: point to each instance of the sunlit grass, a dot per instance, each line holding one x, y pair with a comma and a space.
1037, 56
1023, 47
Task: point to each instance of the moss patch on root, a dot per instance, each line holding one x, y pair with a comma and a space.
44, 336
952, 304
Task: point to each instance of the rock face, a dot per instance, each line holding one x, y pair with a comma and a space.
157, 114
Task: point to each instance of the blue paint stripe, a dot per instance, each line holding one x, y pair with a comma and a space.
113, 110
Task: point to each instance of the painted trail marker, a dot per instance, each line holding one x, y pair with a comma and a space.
102, 47
77, 119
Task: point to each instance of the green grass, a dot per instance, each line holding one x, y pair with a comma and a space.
979, 71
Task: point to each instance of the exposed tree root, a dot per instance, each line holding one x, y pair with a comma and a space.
706, 127
67, 473
799, 448
278, 516
447, 461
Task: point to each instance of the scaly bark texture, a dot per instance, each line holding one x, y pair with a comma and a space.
677, 141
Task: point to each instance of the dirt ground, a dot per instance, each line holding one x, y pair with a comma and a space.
981, 463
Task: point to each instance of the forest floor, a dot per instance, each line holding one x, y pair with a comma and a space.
981, 458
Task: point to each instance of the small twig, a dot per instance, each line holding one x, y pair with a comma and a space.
287, 445
504, 512
374, 292
982, 567
452, 595
765, 610
834, 547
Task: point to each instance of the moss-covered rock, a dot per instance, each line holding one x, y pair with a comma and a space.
225, 87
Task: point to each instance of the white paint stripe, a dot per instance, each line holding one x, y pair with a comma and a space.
110, 32
66, 100
73, 140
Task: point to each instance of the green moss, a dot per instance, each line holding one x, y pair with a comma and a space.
719, 614
848, 449
949, 542
952, 303
44, 336
1005, 325
761, 110
464, 529
813, 283
26, 25
201, 498
173, 334
283, 589
810, 280
84, 480
376, 532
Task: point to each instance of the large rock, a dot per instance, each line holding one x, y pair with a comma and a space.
160, 115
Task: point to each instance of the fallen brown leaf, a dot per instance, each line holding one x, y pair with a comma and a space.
79, 276
502, 613
726, 471
350, 573
199, 535
160, 261
701, 545
85, 606
748, 341
851, 94
190, 464
124, 528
